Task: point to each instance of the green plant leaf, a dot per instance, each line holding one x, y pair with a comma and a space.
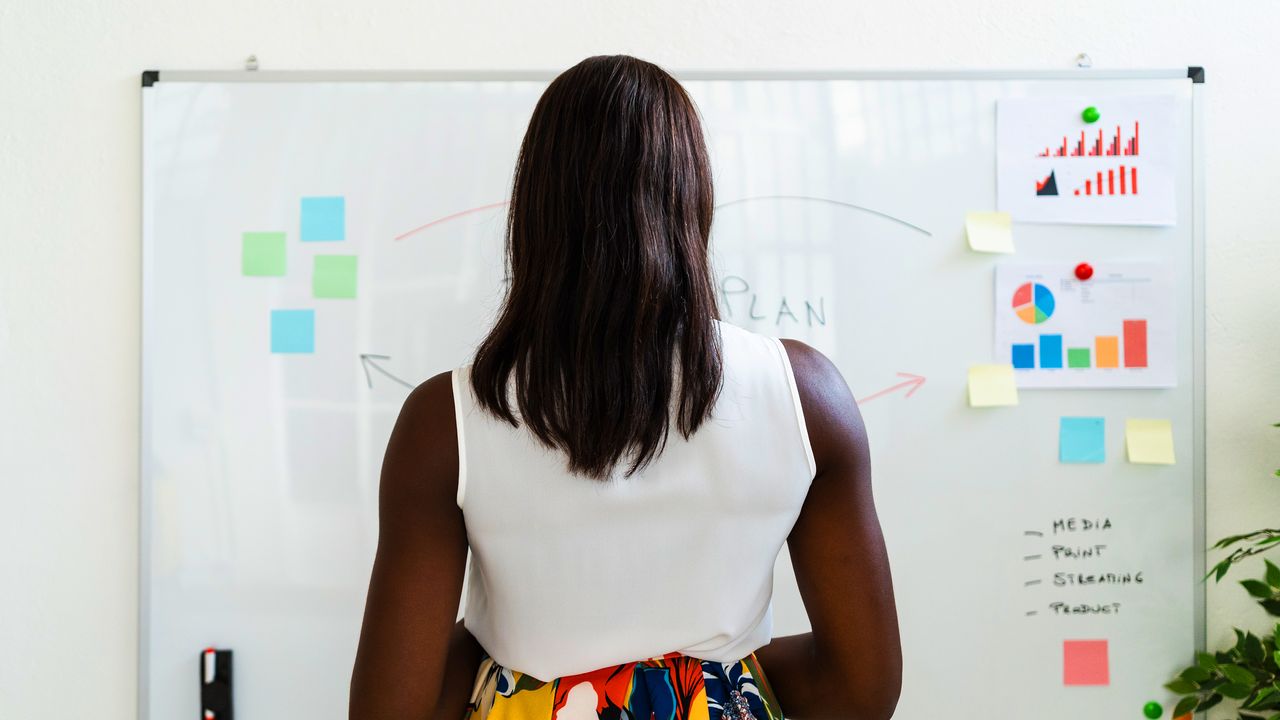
1207, 703
1253, 651
1230, 540
1182, 687
1195, 674
1234, 691
1220, 570
1238, 675
1267, 701
1259, 699
1206, 661
1185, 705
1271, 606
1257, 588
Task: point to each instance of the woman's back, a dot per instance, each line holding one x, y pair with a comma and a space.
622, 466
569, 574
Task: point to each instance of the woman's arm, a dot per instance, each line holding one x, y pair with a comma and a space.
460, 674
850, 665
408, 632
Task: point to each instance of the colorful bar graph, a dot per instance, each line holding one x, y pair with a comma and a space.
1107, 350
1135, 343
1050, 351
1105, 353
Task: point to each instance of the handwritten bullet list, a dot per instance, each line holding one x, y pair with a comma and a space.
1071, 572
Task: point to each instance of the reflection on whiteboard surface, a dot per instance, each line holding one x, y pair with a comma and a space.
1114, 330
1053, 166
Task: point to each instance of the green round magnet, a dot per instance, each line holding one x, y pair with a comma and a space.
1090, 114
1151, 709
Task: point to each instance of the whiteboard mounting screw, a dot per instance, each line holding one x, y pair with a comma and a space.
1084, 61
251, 63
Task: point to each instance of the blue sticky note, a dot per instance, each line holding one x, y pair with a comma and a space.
1082, 440
324, 218
1024, 357
293, 331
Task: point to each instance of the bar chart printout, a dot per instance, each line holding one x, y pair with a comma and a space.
1095, 147
1052, 166
1118, 181
1114, 330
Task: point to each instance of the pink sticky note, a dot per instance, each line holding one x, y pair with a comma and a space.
1084, 662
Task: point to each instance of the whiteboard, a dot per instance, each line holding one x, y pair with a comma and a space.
840, 222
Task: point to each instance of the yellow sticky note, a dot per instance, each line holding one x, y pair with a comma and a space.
1149, 441
989, 231
992, 385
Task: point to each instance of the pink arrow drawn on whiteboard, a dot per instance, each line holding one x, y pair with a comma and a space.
912, 381
454, 216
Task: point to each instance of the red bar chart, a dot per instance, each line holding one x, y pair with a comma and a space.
1104, 144
1112, 181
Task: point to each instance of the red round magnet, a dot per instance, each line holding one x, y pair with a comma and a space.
1084, 271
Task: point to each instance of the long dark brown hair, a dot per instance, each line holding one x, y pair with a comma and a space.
611, 308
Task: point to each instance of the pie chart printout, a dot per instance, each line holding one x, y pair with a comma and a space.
1115, 329
1033, 303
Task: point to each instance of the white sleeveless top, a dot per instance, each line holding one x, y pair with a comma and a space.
570, 574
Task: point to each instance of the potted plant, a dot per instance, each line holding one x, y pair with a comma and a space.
1250, 670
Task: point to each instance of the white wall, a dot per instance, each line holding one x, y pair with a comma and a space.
69, 234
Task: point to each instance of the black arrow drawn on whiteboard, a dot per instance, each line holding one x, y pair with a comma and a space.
828, 201
367, 361
806, 198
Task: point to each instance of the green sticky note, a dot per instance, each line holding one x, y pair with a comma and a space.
334, 276
1077, 357
262, 253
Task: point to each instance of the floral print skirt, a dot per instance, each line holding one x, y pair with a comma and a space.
668, 687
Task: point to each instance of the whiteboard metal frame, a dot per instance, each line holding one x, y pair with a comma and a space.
1198, 338
1194, 75
532, 75
145, 495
